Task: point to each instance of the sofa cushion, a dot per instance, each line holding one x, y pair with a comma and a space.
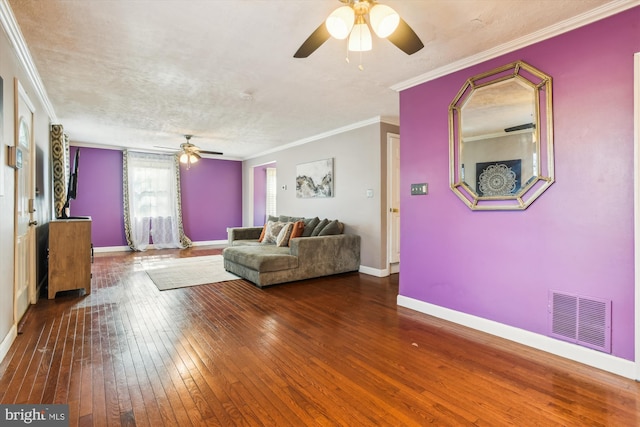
285, 218
309, 225
298, 229
262, 258
272, 231
264, 230
320, 226
332, 228
246, 243
284, 235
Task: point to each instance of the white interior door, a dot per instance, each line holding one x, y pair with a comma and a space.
24, 246
393, 191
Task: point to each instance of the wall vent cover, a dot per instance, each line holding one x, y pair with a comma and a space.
581, 320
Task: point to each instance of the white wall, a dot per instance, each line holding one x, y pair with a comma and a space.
359, 157
11, 68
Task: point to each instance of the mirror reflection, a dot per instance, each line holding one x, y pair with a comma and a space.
496, 138
498, 141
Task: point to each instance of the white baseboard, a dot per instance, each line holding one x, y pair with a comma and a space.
7, 341
596, 359
111, 249
395, 268
217, 243
373, 271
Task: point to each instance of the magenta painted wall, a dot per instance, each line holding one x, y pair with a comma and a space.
577, 237
99, 195
260, 193
211, 197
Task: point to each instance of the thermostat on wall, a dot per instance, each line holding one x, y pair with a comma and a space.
15, 157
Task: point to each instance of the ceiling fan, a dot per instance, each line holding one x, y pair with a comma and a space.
189, 153
353, 21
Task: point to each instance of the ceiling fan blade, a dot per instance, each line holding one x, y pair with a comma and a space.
406, 39
315, 40
210, 152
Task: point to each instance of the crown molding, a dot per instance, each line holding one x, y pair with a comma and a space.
353, 126
562, 27
12, 30
81, 144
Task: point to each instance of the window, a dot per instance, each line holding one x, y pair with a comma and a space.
152, 204
150, 187
271, 192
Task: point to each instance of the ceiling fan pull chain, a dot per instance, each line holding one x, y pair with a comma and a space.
347, 57
360, 66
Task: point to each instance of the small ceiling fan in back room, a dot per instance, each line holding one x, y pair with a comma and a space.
353, 21
190, 153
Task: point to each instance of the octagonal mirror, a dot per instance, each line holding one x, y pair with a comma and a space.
501, 138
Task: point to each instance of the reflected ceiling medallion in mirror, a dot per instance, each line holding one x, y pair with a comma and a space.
501, 138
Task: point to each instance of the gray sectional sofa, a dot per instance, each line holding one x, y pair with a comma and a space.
313, 254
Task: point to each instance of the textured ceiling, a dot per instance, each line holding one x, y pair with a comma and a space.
142, 73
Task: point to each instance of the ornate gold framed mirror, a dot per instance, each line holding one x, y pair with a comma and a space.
501, 138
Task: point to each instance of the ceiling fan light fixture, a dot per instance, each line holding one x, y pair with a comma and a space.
384, 20
354, 21
188, 159
340, 22
360, 38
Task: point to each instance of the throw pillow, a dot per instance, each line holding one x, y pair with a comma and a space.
330, 229
264, 230
309, 225
284, 235
273, 229
298, 229
319, 227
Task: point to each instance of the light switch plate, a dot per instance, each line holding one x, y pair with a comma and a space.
419, 189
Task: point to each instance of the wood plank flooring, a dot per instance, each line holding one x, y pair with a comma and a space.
334, 351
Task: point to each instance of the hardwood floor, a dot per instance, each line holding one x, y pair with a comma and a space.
330, 351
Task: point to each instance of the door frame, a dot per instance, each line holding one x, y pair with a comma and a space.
390, 137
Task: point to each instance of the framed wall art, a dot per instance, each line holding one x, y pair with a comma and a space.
499, 178
315, 179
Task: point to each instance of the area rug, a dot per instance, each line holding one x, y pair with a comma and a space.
183, 272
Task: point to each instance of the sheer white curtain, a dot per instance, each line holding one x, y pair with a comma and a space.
271, 192
152, 201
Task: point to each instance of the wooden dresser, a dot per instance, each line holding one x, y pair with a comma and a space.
70, 254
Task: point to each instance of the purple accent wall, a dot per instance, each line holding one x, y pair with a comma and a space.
260, 193
577, 237
99, 194
211, 197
